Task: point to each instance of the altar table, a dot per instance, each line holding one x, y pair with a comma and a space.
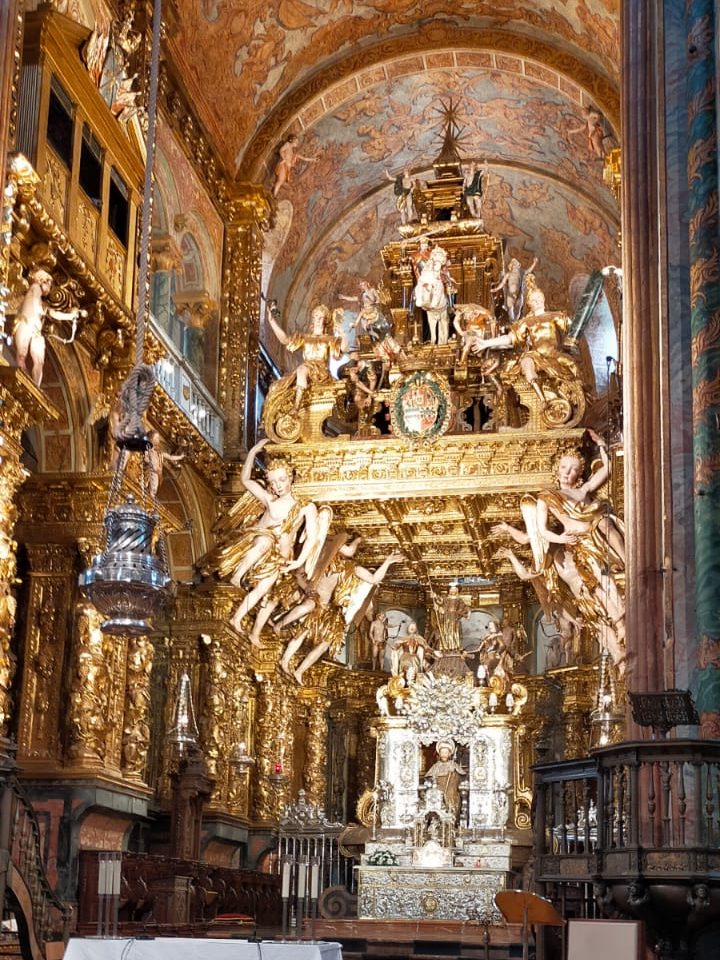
185, 948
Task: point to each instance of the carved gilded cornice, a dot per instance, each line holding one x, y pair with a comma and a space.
24, 403
511, 463
72, 508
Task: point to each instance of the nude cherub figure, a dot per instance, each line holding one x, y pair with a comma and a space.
157, 457
28, 328
592, 127
289, 156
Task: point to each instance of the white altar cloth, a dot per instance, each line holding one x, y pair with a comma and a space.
185, 948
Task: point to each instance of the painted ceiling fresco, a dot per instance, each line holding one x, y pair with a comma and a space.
545, 194
258, 52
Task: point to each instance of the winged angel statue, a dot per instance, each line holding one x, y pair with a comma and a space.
275, 544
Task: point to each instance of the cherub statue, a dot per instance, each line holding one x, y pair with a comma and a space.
587, 553
28, 328
512, 282
330, 604
157, 457
264, 550
289, 157
317, 345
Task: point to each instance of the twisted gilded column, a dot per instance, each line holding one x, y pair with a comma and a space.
136, 713
273, 749
246, 212
704, 237
314, 772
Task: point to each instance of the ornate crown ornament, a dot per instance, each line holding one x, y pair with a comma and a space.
443, 709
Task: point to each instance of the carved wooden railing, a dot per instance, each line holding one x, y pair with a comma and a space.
164, 894
43, 916
634, 831
642, 808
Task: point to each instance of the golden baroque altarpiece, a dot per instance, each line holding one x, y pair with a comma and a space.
490, 560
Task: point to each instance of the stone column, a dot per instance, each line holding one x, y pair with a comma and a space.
702, 81
246, 212
645, 493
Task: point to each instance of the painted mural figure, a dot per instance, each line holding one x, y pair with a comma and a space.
289, 157
593, 128
403, 190
29, 322
264, 551
317, 346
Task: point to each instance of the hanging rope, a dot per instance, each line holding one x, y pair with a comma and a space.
137, 390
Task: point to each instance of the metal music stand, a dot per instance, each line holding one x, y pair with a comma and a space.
518, 906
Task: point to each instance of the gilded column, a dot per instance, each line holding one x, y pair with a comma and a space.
246, 212
136, 726
273, 750
314, 773
243, 712
214, 720
50, 592
92, 720
11, 476
704, 237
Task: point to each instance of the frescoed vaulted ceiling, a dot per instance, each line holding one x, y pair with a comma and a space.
362, 83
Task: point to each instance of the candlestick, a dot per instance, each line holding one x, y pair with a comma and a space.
286, 870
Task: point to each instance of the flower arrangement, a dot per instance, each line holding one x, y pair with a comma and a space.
382, 858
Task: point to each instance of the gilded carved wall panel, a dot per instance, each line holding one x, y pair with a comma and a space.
49, 596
